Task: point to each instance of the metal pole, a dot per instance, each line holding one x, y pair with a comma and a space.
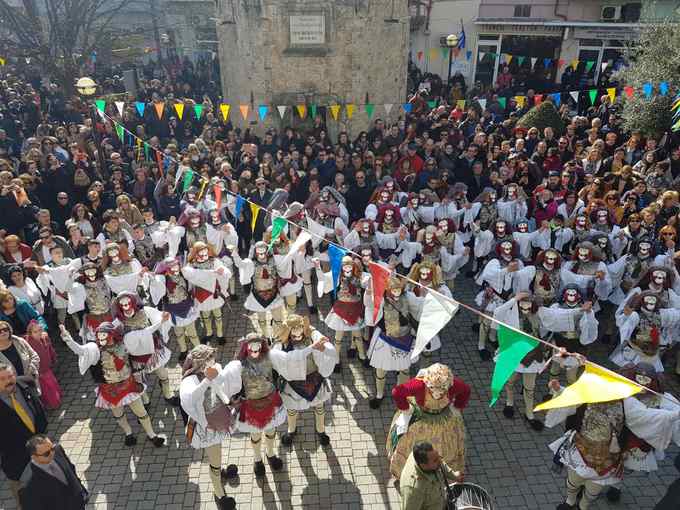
448, 77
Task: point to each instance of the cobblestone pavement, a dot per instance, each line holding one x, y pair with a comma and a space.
506, 457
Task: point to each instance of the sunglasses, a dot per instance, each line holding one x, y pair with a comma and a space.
4, 330
48, 452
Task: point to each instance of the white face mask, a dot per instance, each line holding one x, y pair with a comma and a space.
523, 227
444, 227
125, 305
581, 222
644, 250
525, 307
425, 274
114, 255
571, 296
214, 218
195, 222
297, 335
549, 261
659, 278
174, 269
512, 193
396, 292
385, 197
91, 274
602, 217
492, 197
254, 349
261, 254
429, 236
103, 338
203, 255
388, 216
649, 303
366, 228
506, 251
414, 202
322, 216
390, 186
584, 254
500, 229
347, 270
602, 243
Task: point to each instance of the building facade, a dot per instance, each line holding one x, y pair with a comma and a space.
544, 41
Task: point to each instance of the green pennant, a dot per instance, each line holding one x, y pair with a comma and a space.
513, 346
146, 151
198, 110
494, 55
120, 131
432, 104
503, 102
520, 60
312, 110
369, 109
187, 179
593, 96
445, 53
589, 65
101, 104
277, 227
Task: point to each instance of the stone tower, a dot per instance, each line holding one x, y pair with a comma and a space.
290, 52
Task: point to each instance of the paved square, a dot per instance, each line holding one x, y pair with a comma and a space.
506, 457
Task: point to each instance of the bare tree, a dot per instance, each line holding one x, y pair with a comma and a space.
58, 35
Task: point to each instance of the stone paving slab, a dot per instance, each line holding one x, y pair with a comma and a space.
505, 456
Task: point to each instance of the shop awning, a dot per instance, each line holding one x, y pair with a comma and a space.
553, 23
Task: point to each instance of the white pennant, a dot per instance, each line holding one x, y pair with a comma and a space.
282, 111
482, 103
436, 313
388, 108
533, 61
481, 55
574, 94
604, 65
120, 105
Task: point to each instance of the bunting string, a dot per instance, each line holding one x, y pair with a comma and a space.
392, 272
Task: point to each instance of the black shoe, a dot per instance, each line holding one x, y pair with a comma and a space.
338, 368
173, 401
469, 274
475, 327
535, 424
205, 340
259, 469
157, 441
606, 339
547, 397
275, 463
677, 462
366, 363
287, 438
351, 353
225, 503
221, 340
509, 412
375, 403
564, 506
182, 356
312, 310
230, 472
233, 297
484, 355
324, 440
613, 494
130, 440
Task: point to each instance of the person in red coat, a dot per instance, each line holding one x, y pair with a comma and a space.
429, 408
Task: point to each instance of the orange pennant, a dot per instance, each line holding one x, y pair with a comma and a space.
224, 108
179, 108
244, 111
335, 110
159, 109
350, 110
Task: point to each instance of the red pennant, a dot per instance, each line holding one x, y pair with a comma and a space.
560, 62
420, 55
629, 91
538, 99
457, 114
159, 159
218, 195
379, 276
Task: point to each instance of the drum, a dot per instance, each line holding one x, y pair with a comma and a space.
468, 496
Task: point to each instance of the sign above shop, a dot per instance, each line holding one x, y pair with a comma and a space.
621, 34
307, 30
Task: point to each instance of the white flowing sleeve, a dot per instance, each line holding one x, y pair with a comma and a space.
140, 342
508, 313
493, 274
627, 325
325, 282
246, 268
603, 287
88, 354
203, 278
471, 213
452, 262
292, 366
588, 326
387, 241
655, 426
616, 270
618, 244
340, 226
556, 319
230, 236
521, 279
157, 288
669, 317
371, 212
484, 243
327, 359
541, 239
76, 298
126, 282
222, 279
351, 240
191, 393
215, 237
407, 252
426, 213
229, 378
524, 240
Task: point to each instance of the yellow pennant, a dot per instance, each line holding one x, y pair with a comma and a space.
611, 92
179, 108
255, 211
434, 53
508, 58
224, 108
520, 100
574, 64
596, 384
335, 110
244, 111
350, 110
302, 110
2, 61
460, 104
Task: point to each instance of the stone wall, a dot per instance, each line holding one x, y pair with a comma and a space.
362, 53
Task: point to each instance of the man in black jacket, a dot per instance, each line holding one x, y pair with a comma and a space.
51, 480
22, 416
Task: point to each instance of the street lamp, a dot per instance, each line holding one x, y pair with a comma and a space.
451, 42
86, 86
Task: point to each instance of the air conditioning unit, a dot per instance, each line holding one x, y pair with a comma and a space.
610, 13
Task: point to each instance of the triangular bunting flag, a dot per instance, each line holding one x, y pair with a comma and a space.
408, 107
520, 100
574, 64
460, 104
240, 202
379, 277
254, 213
520, 60
557, 99
312, 110
277, 227
101, 104
179, 108
482, 103
533, 61
604, 66
574, 95
611, 92
512, 347
335, 111
420, 55
282, 110
468, 55
224, 108
140, 108
508, 59
445, 53
187, 179
432, 104
369, 109
349, 109
388, 108
628, 90
538, 99
159, 109
547, 62
503, 102
198, 111
436, 313
262, 111
596, 384
589, 65
433, 53
244, 111
2, 61
302, 110
647, 89
561, 62
119, 106
663, 88
335, 254
120, 131
481, 56
593, 96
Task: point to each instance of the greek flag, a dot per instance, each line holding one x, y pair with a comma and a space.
461, 36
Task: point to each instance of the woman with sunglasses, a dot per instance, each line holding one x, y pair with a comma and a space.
17, 352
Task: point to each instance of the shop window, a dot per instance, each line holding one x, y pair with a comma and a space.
522, 11
630, 13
